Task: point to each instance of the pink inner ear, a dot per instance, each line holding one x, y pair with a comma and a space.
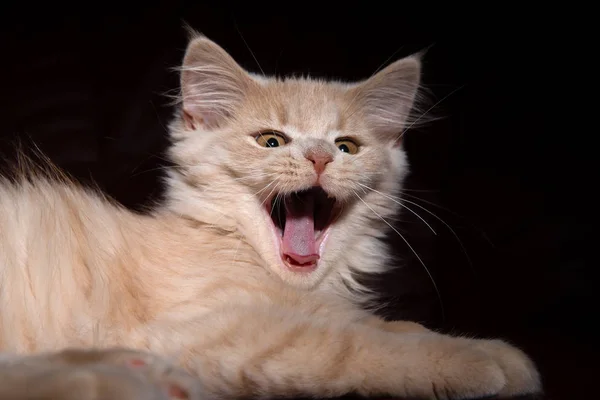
200, 118
188, 120
210, 119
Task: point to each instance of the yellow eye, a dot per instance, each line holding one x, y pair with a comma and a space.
271, 139
347, 146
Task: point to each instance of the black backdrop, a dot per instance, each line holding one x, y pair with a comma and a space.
87, 85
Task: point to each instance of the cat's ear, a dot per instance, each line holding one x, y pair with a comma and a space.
387, 98
212, 84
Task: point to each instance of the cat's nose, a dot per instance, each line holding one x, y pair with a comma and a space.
320, 159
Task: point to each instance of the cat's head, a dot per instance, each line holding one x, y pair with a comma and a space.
306, 170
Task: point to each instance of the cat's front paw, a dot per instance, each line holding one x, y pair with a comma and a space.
469, 369
454, 370
522, 376
156, 373
97, 374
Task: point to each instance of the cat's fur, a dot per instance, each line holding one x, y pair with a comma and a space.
201, 279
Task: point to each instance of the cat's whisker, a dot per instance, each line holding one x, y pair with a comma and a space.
402, 205
278, 198
464, 250
273, 190
423, 200
275, 200
249, 49
383, 64
426, 112
430, 203
419, 190
253, 176
246, 178
404, 195
265, 188
160, 168
475, 227
411, 248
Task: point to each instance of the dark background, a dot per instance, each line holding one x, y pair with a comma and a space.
504, 168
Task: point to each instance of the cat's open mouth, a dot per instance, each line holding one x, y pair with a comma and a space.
302, 221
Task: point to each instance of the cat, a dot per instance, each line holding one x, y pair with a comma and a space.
243, 282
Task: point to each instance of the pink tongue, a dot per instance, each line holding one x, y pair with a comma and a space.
299, 233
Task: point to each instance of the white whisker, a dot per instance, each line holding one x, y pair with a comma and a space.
419, 190
447, 226
265, 188
255, 176
160, 168
278, 198
402, 205
426, 112
274, 189
429, 212
249, 49
412, 249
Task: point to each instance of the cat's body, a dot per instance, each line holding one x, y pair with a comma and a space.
118, 272
253, 306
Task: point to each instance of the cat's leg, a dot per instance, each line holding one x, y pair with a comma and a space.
395, 326
94, 375
517, 366
271, 352
520, 371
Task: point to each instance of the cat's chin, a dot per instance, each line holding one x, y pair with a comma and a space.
301, 223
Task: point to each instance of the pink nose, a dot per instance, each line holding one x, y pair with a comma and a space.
320, 159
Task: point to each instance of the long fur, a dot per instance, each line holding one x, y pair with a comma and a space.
201, 279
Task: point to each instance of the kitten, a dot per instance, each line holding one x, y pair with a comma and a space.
245, 276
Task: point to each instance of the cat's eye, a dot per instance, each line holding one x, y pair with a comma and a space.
347, 145
271, 139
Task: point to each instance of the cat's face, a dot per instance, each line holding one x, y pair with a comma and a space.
304, 169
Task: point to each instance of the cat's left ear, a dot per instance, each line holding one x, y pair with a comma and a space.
213, 84
387, 98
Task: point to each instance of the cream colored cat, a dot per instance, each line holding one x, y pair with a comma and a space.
244, 277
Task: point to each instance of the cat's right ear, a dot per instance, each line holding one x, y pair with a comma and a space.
387, 98
212, 84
